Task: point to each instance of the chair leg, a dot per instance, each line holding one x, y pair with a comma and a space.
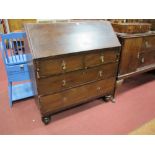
10, 93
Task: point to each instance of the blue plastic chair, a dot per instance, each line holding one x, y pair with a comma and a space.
16, 63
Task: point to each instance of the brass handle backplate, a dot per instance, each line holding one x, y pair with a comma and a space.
38, 75
98, 88
100, 73
102, 58
63, 65
63, 83
138, 55
64, 99
147, 44
142, 60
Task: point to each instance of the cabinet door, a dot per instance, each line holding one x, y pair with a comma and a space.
129, 55
148, 43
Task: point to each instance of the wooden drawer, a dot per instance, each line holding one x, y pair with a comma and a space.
147, 59
18, 72
148, 43
100, 57
72, 79
68, 98
18, 69
60, 65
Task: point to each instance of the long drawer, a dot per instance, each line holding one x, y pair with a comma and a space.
68, 98
72, 79
65, 64
47, 67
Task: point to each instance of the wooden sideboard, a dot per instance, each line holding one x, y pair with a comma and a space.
18, 24
137, 54
72, 63
131, 27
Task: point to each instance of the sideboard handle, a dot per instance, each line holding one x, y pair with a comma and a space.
102, 58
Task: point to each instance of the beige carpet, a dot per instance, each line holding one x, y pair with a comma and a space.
146, 129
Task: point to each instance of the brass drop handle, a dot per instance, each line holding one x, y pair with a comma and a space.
64, 99
102, 58
98, 88
147, 44
63, 65
142, 60
22, 66
38, 77
138, 55
100, 73
63, 83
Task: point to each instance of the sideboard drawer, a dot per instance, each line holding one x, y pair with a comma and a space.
53, 66
64, 81
147, 59
100, 57
148, 43
59, 101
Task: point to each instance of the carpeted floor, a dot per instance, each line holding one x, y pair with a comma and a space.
135, 105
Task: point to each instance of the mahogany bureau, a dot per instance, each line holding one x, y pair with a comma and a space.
137, 54
72, 63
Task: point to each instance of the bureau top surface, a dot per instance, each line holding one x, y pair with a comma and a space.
46, 40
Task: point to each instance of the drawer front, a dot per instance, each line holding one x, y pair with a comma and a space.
72, 79
148, 43
147, 59
98, 58
18, 69
60, 65
59, 101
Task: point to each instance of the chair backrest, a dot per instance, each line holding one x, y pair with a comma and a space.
13, 47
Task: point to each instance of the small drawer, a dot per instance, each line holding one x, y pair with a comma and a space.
64, 81
17, 69
148, 43
59, 65
147, 58
68, 98
100, 57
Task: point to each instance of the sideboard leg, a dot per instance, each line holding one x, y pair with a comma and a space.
119, 83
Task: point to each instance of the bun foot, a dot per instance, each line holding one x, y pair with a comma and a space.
46, 120
109, 98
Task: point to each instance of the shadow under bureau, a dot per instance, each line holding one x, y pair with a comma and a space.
72, 63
